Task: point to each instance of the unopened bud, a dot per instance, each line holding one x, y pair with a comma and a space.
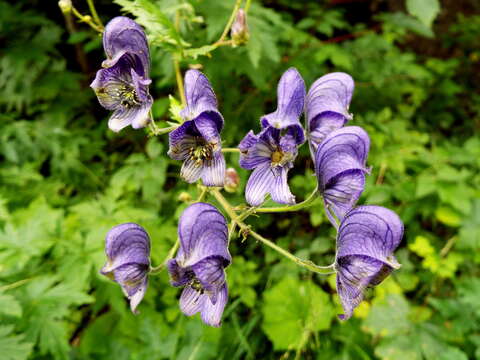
239, 32
184, 197
232, 180
65, 6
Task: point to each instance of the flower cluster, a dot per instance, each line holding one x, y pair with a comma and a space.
367, 235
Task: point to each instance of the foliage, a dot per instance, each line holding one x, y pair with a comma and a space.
66, 180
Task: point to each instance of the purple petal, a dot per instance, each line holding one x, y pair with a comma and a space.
280, 191
209, 272
200, 98
259, 184
127, 243
191, 170
123, 35
366, 239
355, 274
290, 99
179, 276
343, 192
192, 301
340, 167
372, 231
254, 152
182, 139
212, 313
138, 117
202, 230
213, 172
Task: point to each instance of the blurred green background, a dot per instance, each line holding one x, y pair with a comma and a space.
65, 180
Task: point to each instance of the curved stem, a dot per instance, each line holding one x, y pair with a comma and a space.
160, 131
305, 203
230, 21
157, 269
247, 231
91, 6
247, 6
87, 19
230, 150
178, 76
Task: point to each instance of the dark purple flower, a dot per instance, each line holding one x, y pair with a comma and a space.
270, 155
366, 239
200, 262
197, 141
290, 100
326, 107
128, 252
122, 86
340, 168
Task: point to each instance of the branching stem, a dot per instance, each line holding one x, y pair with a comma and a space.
307, 202
230, 22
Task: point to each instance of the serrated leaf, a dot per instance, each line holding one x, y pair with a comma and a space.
9, 305
12, 347
294, 309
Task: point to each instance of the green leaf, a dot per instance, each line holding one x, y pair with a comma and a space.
9, 305
293, 310
448, 216
389, 316
200, 51
425, 10
12, 346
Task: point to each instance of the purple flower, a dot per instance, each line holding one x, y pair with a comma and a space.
290, 100
270, 155
326, 107
197, 141
122, 86
340, 168
128, 260
366, 239
200, 262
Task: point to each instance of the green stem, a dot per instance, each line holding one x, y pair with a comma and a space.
230, 21
246, 229
307, 202
86, 19
14, 285
157, 269
230, 150
178, 76
91, 6
247, 6
160, 131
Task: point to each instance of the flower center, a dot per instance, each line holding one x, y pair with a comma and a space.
196, 285
201, 152
128, 96
277, 157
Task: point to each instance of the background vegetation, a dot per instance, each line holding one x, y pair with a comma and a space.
65, 180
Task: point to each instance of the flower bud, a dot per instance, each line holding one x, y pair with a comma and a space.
232, 180
239, 32
65, 6
184, 197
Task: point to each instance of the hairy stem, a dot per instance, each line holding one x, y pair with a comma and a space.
247, 231
230, 150
178, 76
307, 202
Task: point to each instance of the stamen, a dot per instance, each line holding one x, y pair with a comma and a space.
201, 152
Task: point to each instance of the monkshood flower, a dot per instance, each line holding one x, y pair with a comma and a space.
122, 85
200, 262
128, 260
270, 155
366, 240
340, 166
290, 101
197, 141
326, 106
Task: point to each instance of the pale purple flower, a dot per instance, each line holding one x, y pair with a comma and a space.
197, 141
340, 166
122, 85
366, 240
239, 32
127, 247
270, 155
326, 106
290, 101
200, 262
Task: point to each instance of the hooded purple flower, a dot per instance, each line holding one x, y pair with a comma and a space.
128, 260
122, 86
200, 262
326, 107
340, 168
290, 100
197, 141
366, 239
